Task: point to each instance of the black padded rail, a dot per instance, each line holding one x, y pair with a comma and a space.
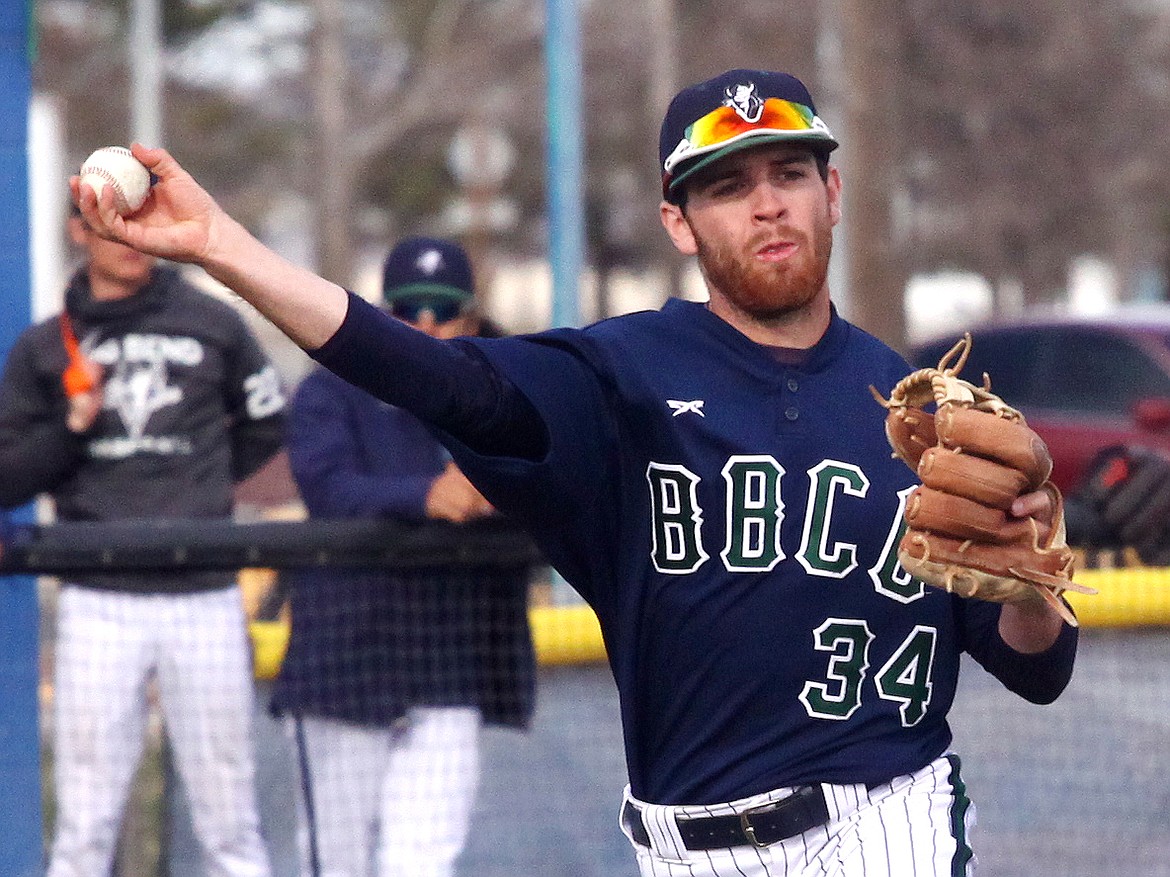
133, 546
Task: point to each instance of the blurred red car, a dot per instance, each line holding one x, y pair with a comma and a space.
1083, 383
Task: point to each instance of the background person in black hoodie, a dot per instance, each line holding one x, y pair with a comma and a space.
145, 399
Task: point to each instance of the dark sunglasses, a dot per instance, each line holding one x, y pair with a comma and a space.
410, 308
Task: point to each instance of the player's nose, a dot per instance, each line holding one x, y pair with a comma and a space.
767, 200
426, 322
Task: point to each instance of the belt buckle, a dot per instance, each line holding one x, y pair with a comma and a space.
749, 830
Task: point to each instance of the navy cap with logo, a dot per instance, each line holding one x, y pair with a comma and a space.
732, 111
423, 273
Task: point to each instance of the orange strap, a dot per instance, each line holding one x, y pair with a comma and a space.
78, 375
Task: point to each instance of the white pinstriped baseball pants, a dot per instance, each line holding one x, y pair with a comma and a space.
915, 826
395, 802
108, 645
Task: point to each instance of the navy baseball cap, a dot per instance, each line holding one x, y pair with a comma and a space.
732, 111
423, 268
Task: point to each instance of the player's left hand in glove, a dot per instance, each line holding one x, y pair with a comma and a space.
976, 455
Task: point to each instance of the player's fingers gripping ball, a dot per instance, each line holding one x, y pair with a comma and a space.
116, 167
975, 455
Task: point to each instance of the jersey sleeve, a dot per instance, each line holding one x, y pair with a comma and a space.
1039, 678
563, 496
525, 418
446, 384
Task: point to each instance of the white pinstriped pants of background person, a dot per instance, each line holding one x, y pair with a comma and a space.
399, 797
915, 826
108, 645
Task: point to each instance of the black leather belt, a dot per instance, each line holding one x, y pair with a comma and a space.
759, 827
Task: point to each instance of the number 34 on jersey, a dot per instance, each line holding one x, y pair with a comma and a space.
755, 510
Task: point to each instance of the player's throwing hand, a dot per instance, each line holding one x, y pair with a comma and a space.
178, 222
183, 223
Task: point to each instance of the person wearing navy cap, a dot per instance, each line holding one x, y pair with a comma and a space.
715, 480
389, 674
423, 273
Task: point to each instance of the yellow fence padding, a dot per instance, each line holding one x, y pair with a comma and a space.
269, 643
1129, 597
560, 635
1137, 596
566, 635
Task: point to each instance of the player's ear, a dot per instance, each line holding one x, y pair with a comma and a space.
833, 184
678, 228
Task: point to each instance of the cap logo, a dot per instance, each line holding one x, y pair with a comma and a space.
742, 98
429, 261
733, 110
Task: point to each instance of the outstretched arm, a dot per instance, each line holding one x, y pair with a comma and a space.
445, 383
182, 222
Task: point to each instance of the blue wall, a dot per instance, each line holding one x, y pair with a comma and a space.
20, 797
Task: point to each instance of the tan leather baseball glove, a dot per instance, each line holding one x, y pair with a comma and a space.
975, 455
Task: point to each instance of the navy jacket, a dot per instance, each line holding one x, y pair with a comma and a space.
365, 646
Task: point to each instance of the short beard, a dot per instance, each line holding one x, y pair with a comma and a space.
769, 291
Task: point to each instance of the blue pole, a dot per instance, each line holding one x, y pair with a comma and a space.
565, 196
20, 779
566, 200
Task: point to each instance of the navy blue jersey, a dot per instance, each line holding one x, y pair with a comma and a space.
733, 521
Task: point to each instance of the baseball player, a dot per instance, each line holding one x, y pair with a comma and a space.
714, 480
389, 675
144, 399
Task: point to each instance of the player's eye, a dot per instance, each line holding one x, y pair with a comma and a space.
723, 187
791, 172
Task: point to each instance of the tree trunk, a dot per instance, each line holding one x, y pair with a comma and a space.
331, 158
877, 278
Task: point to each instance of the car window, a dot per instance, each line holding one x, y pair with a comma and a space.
1007, 357
1058, 367
1096, 371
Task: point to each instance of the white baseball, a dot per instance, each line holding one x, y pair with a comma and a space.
115, 166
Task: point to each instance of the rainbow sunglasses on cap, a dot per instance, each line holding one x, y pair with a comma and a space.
732, 111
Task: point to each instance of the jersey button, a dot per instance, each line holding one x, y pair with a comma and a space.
793, 384
791, 413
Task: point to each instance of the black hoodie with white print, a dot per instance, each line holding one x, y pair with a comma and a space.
191, 406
